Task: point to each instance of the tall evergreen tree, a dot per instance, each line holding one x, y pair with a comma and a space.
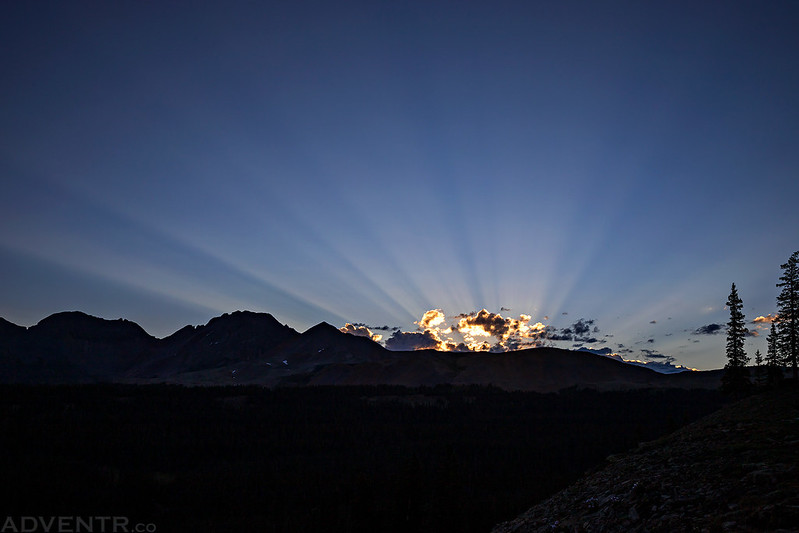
788, 313
736, 375
773, 361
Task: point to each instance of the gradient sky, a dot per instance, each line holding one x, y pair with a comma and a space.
366, 162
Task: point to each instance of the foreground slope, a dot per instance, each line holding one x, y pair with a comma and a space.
735, 470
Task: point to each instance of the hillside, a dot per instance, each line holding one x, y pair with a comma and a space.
734, 470
309, 459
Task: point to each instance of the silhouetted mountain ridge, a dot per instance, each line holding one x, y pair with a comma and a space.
255, 348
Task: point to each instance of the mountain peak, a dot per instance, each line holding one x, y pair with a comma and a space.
321, 327
80, 324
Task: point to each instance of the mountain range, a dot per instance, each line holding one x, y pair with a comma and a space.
254, 348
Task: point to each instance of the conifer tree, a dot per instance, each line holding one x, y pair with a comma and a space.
760, 378
736, 375
788, 313
773, 361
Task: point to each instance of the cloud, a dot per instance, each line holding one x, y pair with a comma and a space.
359, 330
710, 329
431, 319
414, 340
511, 333
474, 331
582, 326
714, 329
487, 331
577, 332
651, 354
762, 323
664, 364
598, 351
376, 328
768, 319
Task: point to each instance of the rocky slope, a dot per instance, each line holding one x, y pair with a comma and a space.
735, 470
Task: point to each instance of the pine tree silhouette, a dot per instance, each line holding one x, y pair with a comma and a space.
788, 313
736, 375
760, 374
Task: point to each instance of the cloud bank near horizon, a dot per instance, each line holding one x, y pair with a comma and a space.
485, 331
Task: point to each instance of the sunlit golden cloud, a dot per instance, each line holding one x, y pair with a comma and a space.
431, 319
360, 331
768, 319
475, 331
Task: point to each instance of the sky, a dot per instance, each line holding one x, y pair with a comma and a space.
490, 175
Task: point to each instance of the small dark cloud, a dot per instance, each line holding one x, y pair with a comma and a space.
710, 329
650, 341
598, 351
654, 355
460, 347
582, 326
578, 332
376, 328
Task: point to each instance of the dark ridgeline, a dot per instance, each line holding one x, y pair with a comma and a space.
254, 348
72, 347
237, 337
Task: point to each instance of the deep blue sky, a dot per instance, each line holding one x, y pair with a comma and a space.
366, 162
